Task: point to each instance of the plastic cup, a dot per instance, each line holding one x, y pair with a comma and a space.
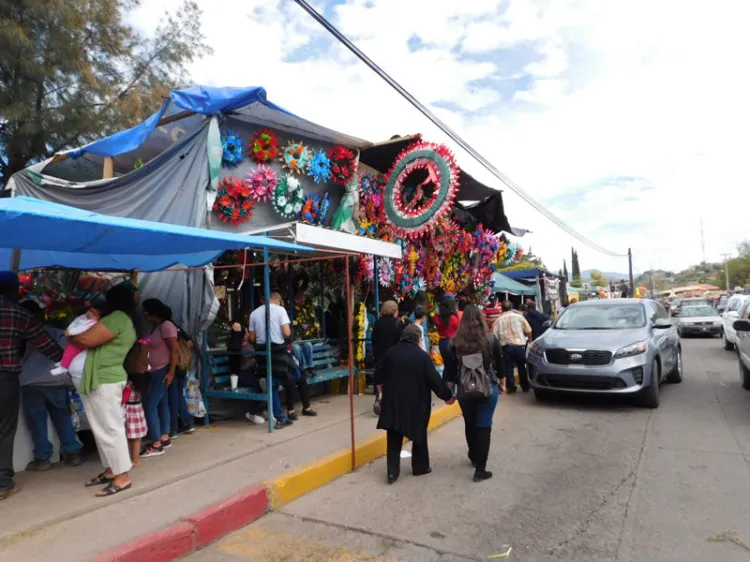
233, 380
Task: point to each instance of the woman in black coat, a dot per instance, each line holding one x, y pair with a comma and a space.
409, 378
385, 334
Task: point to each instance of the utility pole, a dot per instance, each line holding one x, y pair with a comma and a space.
630, 273
726, 269
703, 242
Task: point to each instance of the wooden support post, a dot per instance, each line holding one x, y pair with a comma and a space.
109, 168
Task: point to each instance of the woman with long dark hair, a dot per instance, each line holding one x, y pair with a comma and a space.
447, 320
473, 338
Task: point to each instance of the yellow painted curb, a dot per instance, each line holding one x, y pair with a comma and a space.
299, 481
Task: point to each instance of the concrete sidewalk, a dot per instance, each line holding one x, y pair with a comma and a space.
54, 516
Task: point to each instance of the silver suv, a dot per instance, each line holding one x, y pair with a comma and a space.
741, 328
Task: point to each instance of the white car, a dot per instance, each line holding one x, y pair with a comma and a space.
728, 335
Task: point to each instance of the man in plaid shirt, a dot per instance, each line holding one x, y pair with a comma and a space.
17, 327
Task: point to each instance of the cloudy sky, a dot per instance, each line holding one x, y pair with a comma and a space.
628, 119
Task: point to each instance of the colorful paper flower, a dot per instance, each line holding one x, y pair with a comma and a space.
319, 167
233, 204
289, 197
386, 273
262, 182
295, 158
325, 206
264, 146
310, 209
231, 145
343, 164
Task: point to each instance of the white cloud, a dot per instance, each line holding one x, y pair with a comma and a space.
650, 90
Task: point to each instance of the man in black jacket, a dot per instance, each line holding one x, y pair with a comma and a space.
536, 319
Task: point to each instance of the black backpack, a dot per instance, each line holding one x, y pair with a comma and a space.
473, 379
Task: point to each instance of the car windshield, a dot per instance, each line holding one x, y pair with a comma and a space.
693, 311
693, 302
602, 317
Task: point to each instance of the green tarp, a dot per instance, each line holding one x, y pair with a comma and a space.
504, 284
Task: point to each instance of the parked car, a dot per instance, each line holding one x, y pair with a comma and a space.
616, 346
721, 304
731, 314
741, 328
701, 320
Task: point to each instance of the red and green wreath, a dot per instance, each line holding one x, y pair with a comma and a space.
233, 203
420, 188
264, 146
343, 164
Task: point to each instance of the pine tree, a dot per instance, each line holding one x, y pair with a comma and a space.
565, 270
575, 270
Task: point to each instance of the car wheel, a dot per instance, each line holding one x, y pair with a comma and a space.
650, 394
543, 395
729, 346
744, 373
675, 376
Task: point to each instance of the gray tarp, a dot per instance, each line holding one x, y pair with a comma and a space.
171, 188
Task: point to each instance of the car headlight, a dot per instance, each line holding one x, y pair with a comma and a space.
631, 350
535, 350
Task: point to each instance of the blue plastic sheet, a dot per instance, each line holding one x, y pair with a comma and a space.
52, 235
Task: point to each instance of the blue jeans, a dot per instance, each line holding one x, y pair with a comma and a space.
303, 353
40, 401
178, 405
478, 412
156, 404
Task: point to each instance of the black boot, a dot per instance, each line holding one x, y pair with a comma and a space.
470, 430
481, 452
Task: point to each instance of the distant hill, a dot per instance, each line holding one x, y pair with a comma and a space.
586, 274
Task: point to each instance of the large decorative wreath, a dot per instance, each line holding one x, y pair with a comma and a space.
262, 182
414, 209
288, 197
342, 164
231, 145
233, 203
264, 146
295, 158
386, 273
319, 167
310, 209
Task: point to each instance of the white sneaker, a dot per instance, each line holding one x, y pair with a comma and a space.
58, 370
254, 419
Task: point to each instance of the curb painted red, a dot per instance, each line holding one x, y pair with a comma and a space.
228, 515
194, 531
164, 545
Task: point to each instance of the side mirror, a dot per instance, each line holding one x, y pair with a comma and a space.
547, 324
741, 325
662, 325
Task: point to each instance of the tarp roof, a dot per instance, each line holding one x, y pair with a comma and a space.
529, 273
506, 284
53, 235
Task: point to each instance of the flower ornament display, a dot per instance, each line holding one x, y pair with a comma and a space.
310, 209
295, 158
289, 197
231, 147
415, 211
264, 146
262, 182
233, 204
319, 167
386, 272
325, 206
343, 164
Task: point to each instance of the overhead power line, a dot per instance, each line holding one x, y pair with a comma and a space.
452, 134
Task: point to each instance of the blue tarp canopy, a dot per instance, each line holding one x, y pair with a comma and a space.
53, 235
505, 284
205, 100
527, 273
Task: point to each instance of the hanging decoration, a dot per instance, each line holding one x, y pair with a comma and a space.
343, 164
295, 158
288, 197
386, 273
306, 324
231, 145
233, 204
310, 209
262, 182
264, 146
361, 332
319, 167
413, 209
325, 206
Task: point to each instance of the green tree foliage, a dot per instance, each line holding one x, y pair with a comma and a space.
565, 269
73, 71
575, 269
739, 268
598, 279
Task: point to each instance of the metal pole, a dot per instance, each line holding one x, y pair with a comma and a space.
377, 285
269, 374
630, 273
252, 289
349, 335
726, 269
322, 299
15, 261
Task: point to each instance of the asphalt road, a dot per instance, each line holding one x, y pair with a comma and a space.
588, 480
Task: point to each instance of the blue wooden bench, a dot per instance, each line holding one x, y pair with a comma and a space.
324, 364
